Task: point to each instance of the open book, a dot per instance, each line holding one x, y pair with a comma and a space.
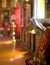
37, 24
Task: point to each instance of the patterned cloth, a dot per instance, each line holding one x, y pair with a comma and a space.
43, 48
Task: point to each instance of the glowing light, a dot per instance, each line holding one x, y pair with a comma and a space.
13, 25
39, 9
13, 37
8, 42
33, 32
13, 33
11, 59
16, 0
26, 0
14, 41
16, 57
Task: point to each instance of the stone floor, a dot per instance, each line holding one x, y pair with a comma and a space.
11, 54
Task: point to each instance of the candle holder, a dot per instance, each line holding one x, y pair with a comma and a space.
13, 33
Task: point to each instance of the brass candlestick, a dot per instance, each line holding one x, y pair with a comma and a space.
13, 33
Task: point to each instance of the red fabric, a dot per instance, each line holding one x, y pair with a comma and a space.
4, 25
17, 18
44, 44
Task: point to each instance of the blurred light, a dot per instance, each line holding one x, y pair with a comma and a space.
26, 0
13, 33
16, 57
33, 32
13, 37
8, 42
12, 23
16, 0
11, 59
14, 40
